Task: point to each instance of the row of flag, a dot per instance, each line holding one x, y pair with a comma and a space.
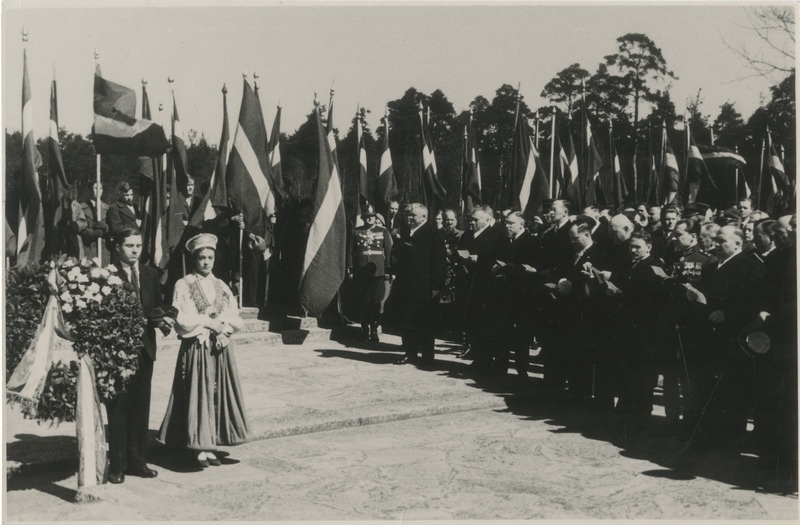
586, 183
248, 178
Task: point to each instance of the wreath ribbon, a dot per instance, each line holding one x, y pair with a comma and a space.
26, 383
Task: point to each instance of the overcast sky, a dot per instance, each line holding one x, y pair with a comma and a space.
372, 54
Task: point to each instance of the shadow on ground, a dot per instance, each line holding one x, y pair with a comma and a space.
657, 442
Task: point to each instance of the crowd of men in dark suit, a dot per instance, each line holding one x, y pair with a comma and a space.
703, 299
615, 299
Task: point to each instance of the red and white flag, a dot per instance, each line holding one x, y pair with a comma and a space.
247, 179
387, 184
30, 231
324, 264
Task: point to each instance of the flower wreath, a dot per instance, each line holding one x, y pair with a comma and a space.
103, 316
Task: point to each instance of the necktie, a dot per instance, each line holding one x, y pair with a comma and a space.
135, 279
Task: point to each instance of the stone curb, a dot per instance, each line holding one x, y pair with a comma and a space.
28, 469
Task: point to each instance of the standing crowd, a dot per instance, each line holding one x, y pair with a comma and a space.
701, 301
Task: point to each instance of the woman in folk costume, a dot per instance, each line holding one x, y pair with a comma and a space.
206, 407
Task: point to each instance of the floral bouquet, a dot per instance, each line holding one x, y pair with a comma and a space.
102, 317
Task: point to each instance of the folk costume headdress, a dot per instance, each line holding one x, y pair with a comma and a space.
201, 241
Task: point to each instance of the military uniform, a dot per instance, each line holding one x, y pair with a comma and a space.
684, 359
372, 247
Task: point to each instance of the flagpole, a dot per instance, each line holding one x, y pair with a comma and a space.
536, 130
552, 154
174, 174
686, 160
99, 213
760, 174
617, 202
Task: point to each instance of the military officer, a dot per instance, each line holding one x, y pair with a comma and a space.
372, 246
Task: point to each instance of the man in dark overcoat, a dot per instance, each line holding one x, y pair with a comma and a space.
129, 414
419, 263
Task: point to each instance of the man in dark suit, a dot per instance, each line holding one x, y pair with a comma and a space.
474, 287
129, 414
555, 327
578, 298
732, 296
518, 255
96, 227
419, 262
123, 213
639, 293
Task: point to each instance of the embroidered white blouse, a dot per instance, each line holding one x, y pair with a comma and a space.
190, 322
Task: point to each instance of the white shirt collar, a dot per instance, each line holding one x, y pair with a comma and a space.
478, 232
728, 259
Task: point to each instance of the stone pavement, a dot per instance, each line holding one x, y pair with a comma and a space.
340, 433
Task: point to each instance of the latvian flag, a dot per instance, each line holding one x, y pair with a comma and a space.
620, 189
387, 185
568, 164
324, 263
529, 183
472, 174
116, 129
30, 232
216, 198
274, 151
670, 175
363, 187
247, 179
435, 193
780, 180
701, 186
56, 181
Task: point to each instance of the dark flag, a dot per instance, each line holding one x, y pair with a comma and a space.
116, 129
30, 231
726, 169
324, 263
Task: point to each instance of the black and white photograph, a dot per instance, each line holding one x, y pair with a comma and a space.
396, 261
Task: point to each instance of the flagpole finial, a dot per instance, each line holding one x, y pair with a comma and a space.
144, 82
96, 54
25, 33
255, 80
224, 89
170, 80
316, 102
160, 106
244, 77
279, 104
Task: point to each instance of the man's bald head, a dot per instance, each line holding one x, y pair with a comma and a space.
620, 228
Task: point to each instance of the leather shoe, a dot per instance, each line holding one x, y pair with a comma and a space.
214, 461
116, 478
144, 472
